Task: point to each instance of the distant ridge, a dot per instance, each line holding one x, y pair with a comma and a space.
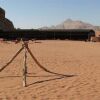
73, 24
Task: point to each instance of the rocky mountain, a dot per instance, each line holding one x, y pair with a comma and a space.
73, 24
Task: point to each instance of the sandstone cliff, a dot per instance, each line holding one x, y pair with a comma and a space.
5, 24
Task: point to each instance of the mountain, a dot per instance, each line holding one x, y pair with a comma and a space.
73, 24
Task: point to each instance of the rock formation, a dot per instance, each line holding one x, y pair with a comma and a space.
5, 24
73, 24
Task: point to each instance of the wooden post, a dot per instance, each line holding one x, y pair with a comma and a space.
24, 67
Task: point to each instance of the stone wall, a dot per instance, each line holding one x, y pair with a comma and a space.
95, 39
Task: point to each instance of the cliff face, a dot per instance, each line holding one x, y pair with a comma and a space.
5, 24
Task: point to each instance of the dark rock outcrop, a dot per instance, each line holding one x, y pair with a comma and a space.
5, 24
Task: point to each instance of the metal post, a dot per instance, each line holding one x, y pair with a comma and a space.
24, 67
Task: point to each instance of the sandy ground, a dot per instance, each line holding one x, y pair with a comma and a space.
81, 59
97, 33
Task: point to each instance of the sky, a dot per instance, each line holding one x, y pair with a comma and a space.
38, 13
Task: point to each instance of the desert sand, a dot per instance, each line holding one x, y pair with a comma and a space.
78, 58
97, 33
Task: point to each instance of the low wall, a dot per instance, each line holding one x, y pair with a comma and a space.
95, 39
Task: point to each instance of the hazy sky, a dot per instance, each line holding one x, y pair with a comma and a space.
38, 13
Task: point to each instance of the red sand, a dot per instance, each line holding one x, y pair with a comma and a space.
66, 57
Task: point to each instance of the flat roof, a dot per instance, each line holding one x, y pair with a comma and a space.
52, 30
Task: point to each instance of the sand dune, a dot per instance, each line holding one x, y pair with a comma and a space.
81, 59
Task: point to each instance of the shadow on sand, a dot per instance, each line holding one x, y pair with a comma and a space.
52, 79
42, 76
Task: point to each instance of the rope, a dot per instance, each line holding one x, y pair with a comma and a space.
35, 59
42, 67
11, 59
